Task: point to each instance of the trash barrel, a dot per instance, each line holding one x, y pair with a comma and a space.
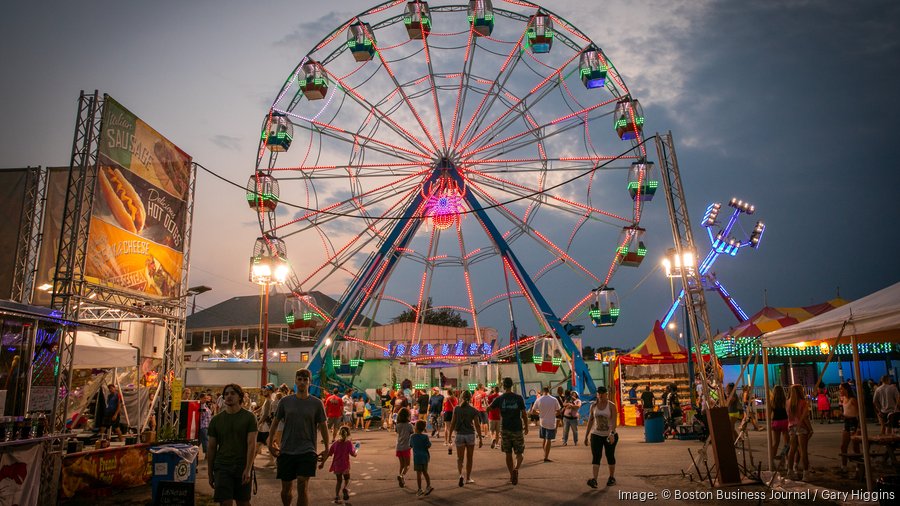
173, 463
889, 483
653, 427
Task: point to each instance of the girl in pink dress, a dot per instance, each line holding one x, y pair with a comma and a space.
341, 450
823, 404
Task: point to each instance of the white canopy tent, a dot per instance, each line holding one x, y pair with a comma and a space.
873, 318
95, 352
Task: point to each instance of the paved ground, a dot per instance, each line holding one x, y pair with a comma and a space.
644, 471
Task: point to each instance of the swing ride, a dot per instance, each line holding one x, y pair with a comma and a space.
461, 152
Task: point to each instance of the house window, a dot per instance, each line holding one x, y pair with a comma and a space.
225, 335
204, 357
188, 338
284, 335
244, 335
283, 356
206, 334
304, 357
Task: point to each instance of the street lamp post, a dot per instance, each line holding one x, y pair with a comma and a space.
194, 291
268, 266
673, 265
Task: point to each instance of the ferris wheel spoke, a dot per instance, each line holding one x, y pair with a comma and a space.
406, 99
334, 210
464, 78
467, 278
425, 285
434, 97
580, 305
534, 234
334, 132
500, 75
539, 128
371, 229
368, 167
540, 85
393, 125
522, 113
505, 183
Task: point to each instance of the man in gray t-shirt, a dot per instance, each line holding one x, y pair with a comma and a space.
303, 414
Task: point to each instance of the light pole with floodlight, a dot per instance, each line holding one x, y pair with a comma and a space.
673, 265
268, 266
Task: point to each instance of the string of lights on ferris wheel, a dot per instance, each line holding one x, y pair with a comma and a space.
252, 194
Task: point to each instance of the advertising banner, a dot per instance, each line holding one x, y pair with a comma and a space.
118, 468
140, 207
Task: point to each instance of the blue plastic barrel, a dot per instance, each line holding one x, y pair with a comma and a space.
170, 466
653, 427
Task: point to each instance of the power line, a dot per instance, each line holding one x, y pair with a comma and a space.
471, 211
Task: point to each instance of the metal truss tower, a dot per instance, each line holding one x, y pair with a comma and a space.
30, 233
694, 298
80, 300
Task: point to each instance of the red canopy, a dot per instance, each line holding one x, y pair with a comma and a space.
658, 348
769, 319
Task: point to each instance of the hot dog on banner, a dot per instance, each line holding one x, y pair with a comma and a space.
140, 207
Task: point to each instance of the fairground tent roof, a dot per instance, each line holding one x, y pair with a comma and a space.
769, 319
873, 318
658, 348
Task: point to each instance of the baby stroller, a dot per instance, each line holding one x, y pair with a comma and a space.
673, 417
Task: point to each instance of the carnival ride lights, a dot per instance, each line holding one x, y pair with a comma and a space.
746, 346
417, 20
262, 192
722, 243
629, 119
361, 41
593, 68
409, 163
539, 33
444, 203
269, 265
481, 15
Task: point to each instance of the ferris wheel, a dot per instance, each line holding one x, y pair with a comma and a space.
487, 157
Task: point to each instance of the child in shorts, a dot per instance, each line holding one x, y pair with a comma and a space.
420, 443
341, 450
404, 431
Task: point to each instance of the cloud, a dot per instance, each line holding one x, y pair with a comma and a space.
227, 142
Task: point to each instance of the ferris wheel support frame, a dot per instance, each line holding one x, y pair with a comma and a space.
379, 266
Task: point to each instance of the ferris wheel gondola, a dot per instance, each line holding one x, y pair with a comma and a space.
547, 355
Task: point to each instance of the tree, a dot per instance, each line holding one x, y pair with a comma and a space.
444, 317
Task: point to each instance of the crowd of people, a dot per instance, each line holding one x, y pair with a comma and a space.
293, 424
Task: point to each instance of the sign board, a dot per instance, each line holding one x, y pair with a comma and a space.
140, 210
177, 387
174, 493
41, 398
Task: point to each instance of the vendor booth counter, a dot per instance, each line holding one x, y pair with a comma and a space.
98, 472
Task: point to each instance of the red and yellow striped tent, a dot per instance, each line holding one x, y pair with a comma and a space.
658, 348
775, 318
